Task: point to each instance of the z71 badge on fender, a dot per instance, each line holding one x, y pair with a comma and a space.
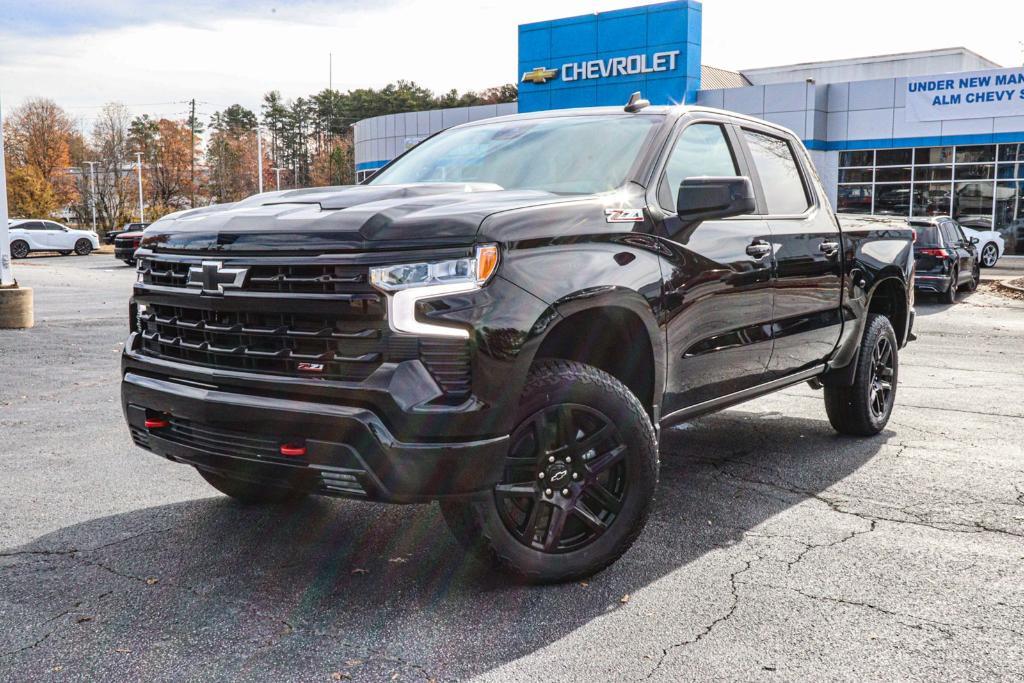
624, 215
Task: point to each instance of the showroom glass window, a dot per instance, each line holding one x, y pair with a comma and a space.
982, 186
701, 150
780, 176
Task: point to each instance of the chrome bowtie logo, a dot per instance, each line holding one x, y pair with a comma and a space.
212, 277
540, 75
559, 475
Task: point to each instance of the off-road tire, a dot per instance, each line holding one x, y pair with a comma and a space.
477, 524
849, 407
251, 493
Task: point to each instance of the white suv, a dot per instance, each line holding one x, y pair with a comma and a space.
40, 235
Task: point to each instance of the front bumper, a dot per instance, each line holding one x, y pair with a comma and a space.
349, 450
124, 253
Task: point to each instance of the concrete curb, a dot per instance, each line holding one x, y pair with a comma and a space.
1005, 284
16, 308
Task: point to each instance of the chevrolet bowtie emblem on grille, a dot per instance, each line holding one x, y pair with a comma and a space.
539, 75
213, 277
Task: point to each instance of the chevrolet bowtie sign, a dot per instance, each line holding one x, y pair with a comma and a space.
631, 65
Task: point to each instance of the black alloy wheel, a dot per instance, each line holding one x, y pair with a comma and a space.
989, 255
565, 480
578, 480
882, 373
19, 249
83, 247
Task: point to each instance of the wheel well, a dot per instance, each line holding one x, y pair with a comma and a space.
890, 299
610, 339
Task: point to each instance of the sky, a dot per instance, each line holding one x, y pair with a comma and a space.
155, 55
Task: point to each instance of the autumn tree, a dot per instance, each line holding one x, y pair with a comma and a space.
29, 195
39, 134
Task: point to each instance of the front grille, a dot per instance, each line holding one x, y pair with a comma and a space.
304, 320
222, 441
282, 279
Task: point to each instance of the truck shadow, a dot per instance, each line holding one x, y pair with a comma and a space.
210, 589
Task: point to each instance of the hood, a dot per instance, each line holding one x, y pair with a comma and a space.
353, 218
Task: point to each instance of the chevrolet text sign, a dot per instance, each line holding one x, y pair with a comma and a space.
970, 95
600, 59
620, 66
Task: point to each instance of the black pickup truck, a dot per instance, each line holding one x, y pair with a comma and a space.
504, 317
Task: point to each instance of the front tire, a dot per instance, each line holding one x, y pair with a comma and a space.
989, 254
251, 493
19, 249
83, 247
864, 408
579, 478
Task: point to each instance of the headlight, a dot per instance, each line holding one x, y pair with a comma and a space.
476, 270
409, 283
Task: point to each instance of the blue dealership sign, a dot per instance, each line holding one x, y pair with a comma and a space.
600, 59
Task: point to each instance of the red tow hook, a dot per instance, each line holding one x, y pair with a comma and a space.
156, 423
293, 450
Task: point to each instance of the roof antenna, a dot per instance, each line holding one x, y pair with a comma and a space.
636, 103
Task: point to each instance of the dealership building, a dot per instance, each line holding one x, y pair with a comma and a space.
912, 134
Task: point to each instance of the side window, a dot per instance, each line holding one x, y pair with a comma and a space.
949, 235
50, 225
32, 225
784, 188
701, 150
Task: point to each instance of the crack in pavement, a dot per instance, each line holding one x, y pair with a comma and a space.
733, 586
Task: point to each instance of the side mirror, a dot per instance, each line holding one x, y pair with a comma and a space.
706, 198
974, 240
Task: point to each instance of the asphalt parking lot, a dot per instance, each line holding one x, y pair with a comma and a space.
777, 550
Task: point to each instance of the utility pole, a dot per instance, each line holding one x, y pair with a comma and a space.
192, 156
92, 190
6, 274
278, 170
259, 158
142, 206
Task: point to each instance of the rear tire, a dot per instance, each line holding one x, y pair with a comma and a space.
83, 247
579, 480
19, 249
949, 296
64, 253
251, 493
864, 408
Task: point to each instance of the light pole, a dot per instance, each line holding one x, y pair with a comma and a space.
142, 206
277, 170
92, 190
6, 274
259, 158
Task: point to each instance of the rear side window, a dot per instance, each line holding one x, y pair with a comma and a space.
784, 188
701, 150
950, 233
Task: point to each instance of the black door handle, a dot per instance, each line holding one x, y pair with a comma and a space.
759, 249
829, 248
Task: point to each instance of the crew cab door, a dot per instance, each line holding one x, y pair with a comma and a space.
717, 298
807, 275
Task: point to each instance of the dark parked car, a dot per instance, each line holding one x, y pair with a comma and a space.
504, 317
125, 245
127, 227
946, 261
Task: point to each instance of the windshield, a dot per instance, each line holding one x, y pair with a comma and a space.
571, 154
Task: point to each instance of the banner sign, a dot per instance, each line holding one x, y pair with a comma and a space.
969, 95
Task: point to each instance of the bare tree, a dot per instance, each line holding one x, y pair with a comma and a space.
114, 195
